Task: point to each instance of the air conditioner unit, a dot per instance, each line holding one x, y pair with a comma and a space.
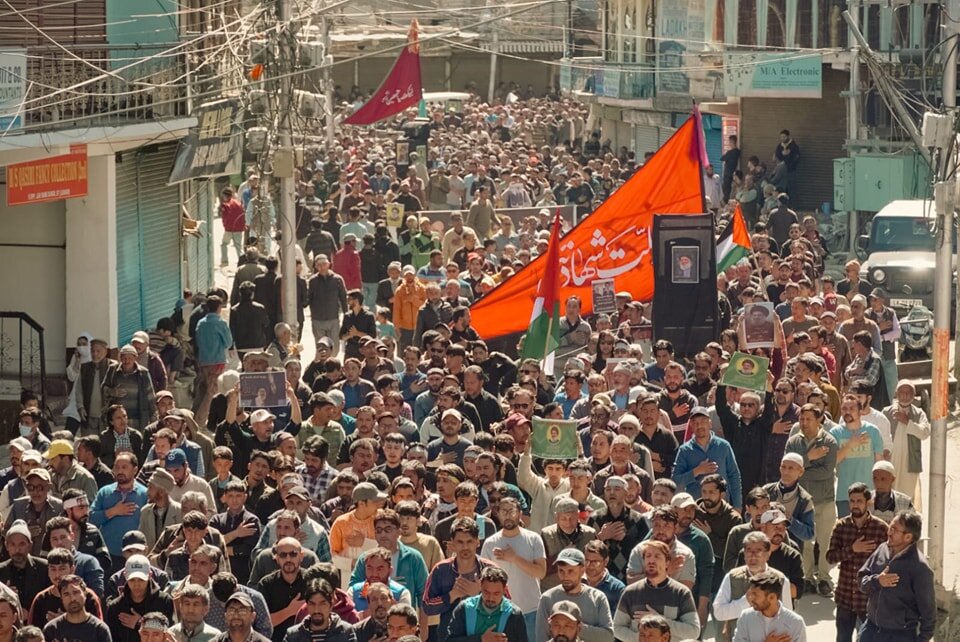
257, 138
312, 53
258, 102
309, 105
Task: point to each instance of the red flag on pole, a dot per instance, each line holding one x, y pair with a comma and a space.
400, 89
612, 243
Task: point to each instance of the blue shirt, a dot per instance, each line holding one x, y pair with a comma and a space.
612, 587
213, 337
566, 403
857, 466
431, 275
114, 528
691, 454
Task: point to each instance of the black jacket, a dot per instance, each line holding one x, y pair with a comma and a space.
108, 441
515, 629
156, 600
35, 579
749, 441
250, 325
267, 294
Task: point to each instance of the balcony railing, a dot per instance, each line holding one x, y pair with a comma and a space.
101, 85
609, 79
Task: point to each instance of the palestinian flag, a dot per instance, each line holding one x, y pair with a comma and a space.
734, 243
543, 337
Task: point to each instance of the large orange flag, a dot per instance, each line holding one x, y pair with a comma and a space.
612, 243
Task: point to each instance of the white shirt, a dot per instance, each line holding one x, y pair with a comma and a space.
524, 588
879, 420
754, 626
725, 608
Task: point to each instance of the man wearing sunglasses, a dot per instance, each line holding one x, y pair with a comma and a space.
283, 589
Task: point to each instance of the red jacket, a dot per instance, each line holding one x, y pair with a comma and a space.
346, 263
232, 215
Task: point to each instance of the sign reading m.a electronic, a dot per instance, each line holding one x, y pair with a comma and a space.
214, 147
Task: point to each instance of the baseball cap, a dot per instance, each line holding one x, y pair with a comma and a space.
137, 567
885, 466
567, 505
134, 541
241, 597
571, 556
22, 444
59, 447
367, 492
299, 491
163, 394
700, 410
773, 516
261, 414
795, 458
19, 527
567, 609
408, 269
862, 300
452, 412
176, 458
140, 336
682, 500
42, 473
128, 349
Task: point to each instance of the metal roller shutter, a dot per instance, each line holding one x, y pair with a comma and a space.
647, 139
128, 249
818, 126
148, 240
160, 231
197, 250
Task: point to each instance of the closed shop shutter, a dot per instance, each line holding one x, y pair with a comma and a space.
128, 249
647, 139
818, 126
713, 139
160, 226
148, 240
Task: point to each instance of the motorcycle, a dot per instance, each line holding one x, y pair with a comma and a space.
916, 333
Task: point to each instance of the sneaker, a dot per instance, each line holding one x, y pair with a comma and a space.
809, 587
824, 588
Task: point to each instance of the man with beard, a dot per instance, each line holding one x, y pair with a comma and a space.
860, 446
854, 538
48, 604
596, 559
580, 474
426, 401
240, 616
565, 623
698, 542
622, 453
320, 623
675, 400
747, 431
139, 596
409, 568
716, 517
521, 554
699, 383
378, 567
373, 628
76, 623
656, 593
487, 405
565, 534
786, 414
731, 599
660, 441
194, 606
466, 497
451, 446
493, 615
618, 526
282, 588
456, 578
707, 454
542, 490
498, 367
783, 557
683, 565
797, 500
757, 503
769, 619
596, 622
23, 572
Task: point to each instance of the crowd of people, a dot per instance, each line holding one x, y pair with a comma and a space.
388, 490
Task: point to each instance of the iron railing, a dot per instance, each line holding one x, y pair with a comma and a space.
22, 354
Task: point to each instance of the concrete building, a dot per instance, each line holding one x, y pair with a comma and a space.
113, 77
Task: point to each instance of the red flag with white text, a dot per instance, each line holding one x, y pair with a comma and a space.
401, 89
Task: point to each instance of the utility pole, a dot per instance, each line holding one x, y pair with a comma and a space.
283, 162
945, 196
494, 46
328, 82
